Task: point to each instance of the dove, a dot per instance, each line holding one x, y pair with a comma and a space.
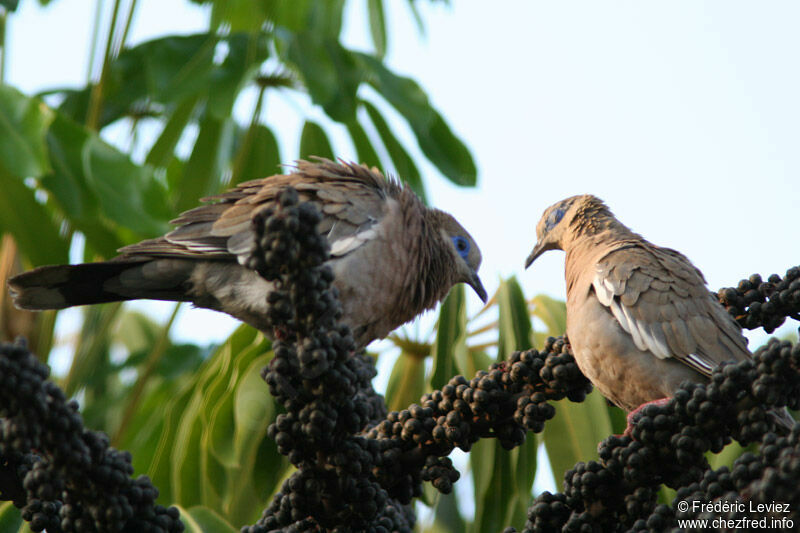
640, 318
392, 257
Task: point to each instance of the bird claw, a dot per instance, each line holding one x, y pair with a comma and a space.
629, 428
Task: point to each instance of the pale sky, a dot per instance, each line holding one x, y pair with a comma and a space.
683, 116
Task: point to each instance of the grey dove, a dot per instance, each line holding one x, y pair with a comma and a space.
392, 256
640, 318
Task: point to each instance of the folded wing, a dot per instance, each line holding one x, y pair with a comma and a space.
661, 300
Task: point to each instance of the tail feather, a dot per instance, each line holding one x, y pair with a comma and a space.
60, 286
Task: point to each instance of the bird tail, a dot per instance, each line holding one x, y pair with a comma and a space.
60, 286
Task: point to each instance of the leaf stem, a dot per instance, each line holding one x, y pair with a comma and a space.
244, 151
92, 334
128, 22
96, 97
98, 12
3, 29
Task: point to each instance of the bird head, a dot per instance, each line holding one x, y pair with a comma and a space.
556, 226
465, 253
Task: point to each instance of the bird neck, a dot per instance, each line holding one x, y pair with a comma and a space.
423, 257
436, 265
591, 238
595, 225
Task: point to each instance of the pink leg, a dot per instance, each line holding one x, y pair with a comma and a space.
629, 428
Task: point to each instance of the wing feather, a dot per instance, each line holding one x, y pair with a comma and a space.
660, 299
352, 199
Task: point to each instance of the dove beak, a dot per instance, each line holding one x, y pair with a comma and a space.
475, 282
538, 250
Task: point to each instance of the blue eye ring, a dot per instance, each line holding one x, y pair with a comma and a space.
554, 218
462, 246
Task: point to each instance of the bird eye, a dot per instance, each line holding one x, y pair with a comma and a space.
554, 218
462, 246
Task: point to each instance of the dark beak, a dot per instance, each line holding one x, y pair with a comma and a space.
538, 250
477, 286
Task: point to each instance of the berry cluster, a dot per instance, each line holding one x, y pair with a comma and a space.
356, 464
757, 303
355, 471
503, 402
754, 485
64, 477
324, 386
743, 401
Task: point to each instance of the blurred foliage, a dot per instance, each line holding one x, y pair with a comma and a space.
195, 417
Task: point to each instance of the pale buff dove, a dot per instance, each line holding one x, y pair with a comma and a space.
392, 257
640, 318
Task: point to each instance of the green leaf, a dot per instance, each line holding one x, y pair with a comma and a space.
169, 69
10, 5
213, 440
552, 312
729, 454
10, 519
448, 517
407, 382
199, 519
157, 73
239, 15
194, 476
314, 141
329, 70
163, 150
322, 18
434, 136
412, 5
365, 151
128, 194
221, 436
246, 52
23, 124
326, 17
450, 344
259, 155
67, 143
496, 497
402, 161
377, 26
188, 469
136, 331
203, 173
666, 495
515, 333
30, 223
258, 467
523, 464
293, 15
91, 367
144, 431
515, 323
160, 469
158, 76
618, 417
574, 433
502, 492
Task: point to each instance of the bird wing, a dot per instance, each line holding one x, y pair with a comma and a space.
661, 300
351, 198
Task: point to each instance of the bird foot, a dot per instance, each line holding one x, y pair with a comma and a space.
280, 333
629, 428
